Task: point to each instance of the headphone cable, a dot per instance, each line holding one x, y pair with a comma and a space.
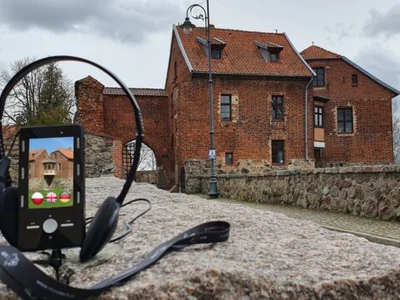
128, 225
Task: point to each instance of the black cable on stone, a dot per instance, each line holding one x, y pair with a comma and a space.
55, 259
128, 225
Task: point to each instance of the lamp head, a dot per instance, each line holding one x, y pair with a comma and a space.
187, 26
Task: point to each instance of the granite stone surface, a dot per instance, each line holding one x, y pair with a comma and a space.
268, 255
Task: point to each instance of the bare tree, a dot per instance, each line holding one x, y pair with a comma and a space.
44, 96
147, 159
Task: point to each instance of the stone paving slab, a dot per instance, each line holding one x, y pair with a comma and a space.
375, 230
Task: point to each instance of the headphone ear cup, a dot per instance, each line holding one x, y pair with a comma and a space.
101, 229
9, 214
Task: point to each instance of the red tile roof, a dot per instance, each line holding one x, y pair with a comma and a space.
315, 52
33, 154
240, 54
68, 153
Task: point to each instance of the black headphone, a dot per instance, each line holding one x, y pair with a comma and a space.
29, 282
105, 220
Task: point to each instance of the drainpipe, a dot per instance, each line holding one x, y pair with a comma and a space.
305, 119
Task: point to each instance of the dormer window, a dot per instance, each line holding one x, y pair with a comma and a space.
274, 56
269, 51
216, 53
216, 47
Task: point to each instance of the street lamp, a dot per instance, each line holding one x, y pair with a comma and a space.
187, 29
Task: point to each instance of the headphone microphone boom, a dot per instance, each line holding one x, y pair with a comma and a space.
22, 276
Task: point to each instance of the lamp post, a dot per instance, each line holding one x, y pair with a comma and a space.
187, 29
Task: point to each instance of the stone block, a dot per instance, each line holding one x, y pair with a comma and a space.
267, 256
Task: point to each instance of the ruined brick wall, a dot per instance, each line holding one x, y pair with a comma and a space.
89, 95
112, 115
119, 121
372, 140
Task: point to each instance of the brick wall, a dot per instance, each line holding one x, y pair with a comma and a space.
112, 115
116, 156
119, 121
249, 134
178, 75
372, 140
89, 95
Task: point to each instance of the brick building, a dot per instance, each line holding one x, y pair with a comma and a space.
268, 110
59, 163
353, 111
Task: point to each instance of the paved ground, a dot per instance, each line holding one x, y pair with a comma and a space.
374, 230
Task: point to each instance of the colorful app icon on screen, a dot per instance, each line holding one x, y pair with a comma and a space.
51, 197
65, 197
37, 198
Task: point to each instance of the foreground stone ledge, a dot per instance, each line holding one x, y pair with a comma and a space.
268, 256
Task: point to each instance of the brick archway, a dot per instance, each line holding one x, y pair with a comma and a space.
107, 111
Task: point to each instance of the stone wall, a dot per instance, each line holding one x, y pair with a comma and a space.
103, 156
41, 184
147, 176
370, 191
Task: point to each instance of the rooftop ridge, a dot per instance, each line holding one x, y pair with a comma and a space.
135, 91
239, 30
318, 48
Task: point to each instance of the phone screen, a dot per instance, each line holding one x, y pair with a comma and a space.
51, 172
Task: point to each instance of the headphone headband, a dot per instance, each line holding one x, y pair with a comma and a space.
138, 118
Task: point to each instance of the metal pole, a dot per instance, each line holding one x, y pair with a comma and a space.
213, 193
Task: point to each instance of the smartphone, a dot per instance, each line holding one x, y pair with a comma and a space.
51, 208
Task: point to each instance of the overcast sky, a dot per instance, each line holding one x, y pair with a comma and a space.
132, 37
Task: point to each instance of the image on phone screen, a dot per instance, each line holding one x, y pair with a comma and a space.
50, 172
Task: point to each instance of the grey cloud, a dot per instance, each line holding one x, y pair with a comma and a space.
3, 65
382, 64
339, 32
387, 23
52, 15
126, 21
